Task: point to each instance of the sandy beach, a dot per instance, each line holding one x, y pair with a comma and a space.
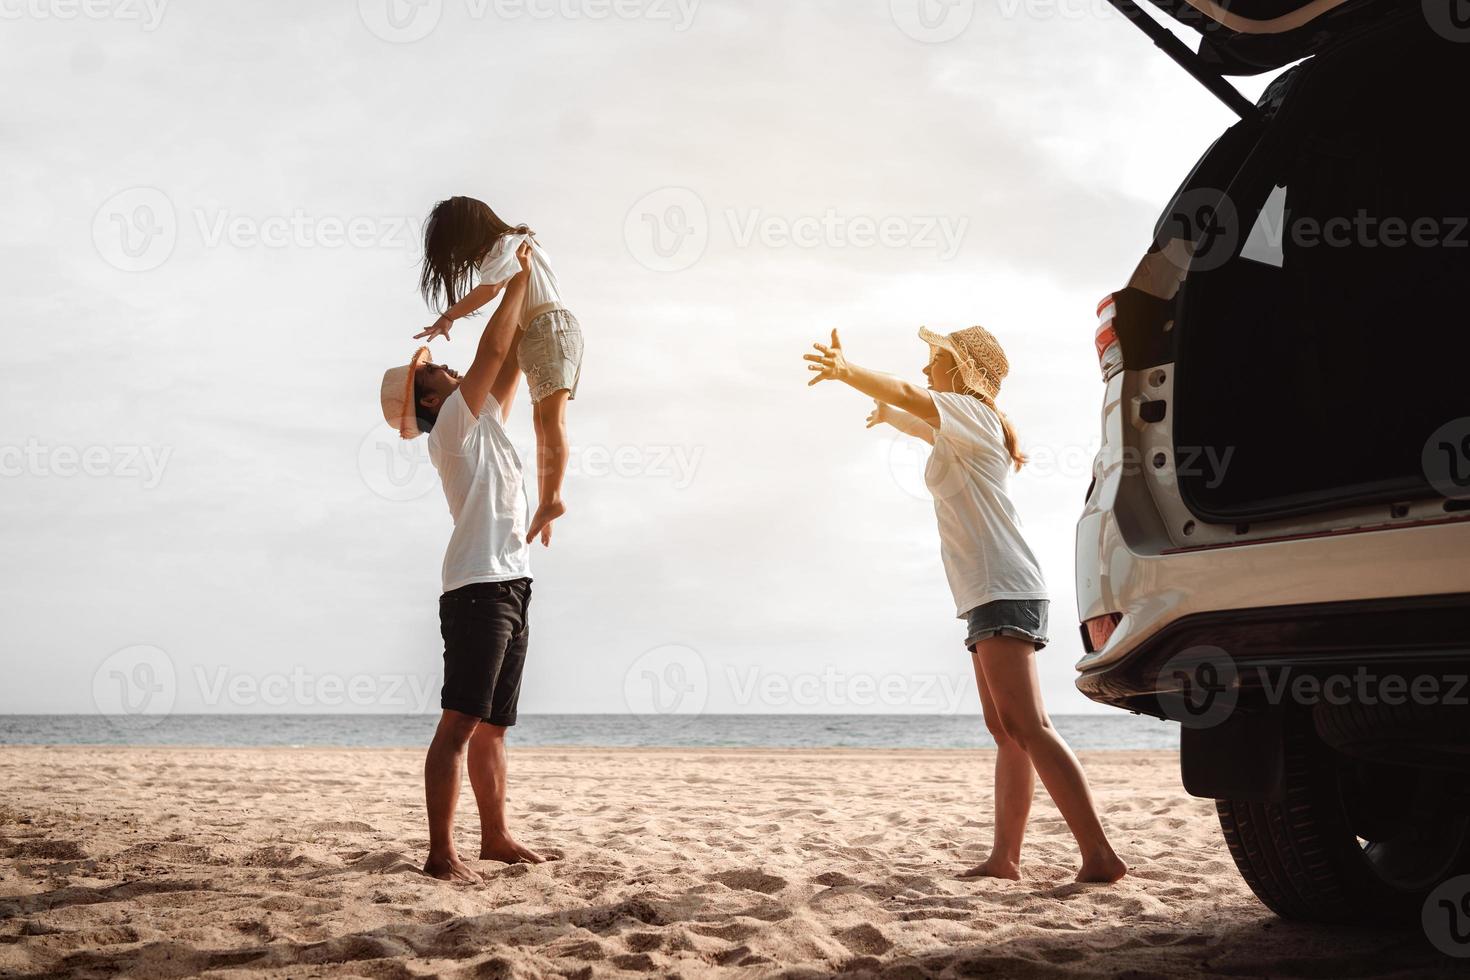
245, 863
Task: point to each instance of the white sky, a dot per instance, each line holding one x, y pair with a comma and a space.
750, 523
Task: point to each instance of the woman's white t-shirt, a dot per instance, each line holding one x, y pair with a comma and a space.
985, 556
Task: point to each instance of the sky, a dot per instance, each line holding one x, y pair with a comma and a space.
210, 241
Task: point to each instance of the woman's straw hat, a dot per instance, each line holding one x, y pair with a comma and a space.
399, 406
983, 365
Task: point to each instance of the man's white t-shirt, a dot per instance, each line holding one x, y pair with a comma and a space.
985, 556
482, 481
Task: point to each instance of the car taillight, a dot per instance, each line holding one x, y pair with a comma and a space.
1109, 351
1099, 630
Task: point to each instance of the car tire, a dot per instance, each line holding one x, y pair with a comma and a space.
1420, 734
1349, 840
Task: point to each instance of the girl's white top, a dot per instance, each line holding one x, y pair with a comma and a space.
985, 556
500, 263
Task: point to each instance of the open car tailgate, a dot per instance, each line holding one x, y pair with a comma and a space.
1247, 37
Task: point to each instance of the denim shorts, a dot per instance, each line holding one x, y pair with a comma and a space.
486, 629
1025, 619
551, 354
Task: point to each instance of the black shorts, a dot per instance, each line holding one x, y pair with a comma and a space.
486, 626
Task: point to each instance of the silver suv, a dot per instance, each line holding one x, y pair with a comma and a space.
1275, 549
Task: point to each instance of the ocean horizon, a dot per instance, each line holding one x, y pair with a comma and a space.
810, 731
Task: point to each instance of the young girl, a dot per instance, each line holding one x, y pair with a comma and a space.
995, 579
465, 241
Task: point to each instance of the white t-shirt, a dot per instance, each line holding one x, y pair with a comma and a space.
482, 481
985, 556
500, 264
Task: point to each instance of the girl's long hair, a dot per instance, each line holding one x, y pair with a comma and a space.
458, 234
1013, 443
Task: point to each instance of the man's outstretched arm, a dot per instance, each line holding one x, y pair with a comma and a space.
496, 342
508, 381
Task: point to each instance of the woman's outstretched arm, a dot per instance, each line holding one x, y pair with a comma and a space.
831, 365
909, 425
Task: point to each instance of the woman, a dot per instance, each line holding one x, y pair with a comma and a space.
997, 584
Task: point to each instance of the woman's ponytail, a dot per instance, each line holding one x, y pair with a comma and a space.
1013, 443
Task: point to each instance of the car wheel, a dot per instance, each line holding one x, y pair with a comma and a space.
1350, 840
1432, 736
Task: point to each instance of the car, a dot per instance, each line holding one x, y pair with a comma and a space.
1274, 551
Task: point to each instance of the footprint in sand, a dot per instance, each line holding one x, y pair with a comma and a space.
385, 862
1062, 954
586, 949
751, 879
733, 955
274, 856
636, 962
341, 827
731, 931
173, 853
50, 850
948, 914
643, 942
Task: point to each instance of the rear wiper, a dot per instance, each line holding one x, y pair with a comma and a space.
1176, 49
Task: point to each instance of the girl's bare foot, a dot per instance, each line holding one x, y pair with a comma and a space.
509, 851
1105, 870
994, 867
450, 868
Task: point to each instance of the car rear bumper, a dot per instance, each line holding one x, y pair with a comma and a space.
1154, 591
1407, 637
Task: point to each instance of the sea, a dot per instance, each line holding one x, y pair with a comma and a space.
793, 731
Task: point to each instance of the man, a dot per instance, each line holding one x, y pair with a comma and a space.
487, 576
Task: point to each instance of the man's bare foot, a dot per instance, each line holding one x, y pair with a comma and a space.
994, 867
541, 521
1103, 870
450, 868
508, 850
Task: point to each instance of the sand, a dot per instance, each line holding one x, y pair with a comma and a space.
244, 863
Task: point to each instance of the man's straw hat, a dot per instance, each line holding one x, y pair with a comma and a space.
983, 365
399, 407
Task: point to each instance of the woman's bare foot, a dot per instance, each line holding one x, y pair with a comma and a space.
509, 851
1105, 870
541, 521
994, 867
450, 868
